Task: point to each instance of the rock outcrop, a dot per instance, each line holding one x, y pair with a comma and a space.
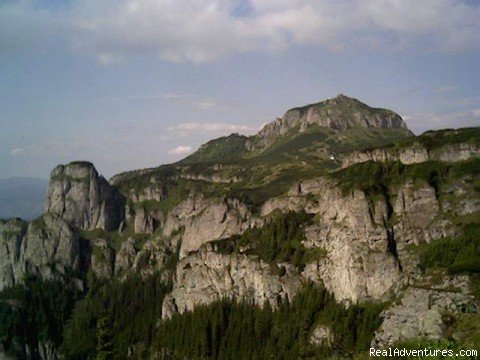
359, 262
338, 114
207, 276
322, 335
414, 154
419, 314
12, 233
205, 220
48, 248
84, 199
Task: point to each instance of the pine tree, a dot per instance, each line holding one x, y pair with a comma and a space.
104, 339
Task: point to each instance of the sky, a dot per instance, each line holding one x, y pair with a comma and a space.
129, 84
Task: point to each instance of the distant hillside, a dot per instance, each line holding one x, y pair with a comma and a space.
22, 197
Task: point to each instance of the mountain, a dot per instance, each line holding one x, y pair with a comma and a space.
22, 197
340, 119
340, 113
332, 230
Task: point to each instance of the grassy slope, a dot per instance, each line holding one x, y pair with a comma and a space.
226, 148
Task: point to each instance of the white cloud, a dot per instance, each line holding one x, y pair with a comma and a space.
180, 150
212, 128
16, 151
204, 30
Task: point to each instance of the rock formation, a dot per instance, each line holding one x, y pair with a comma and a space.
414, 154
207, 276
48, 247
338, 114
84, 199
173, 220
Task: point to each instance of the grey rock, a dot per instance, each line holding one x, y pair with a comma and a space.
322, 335
414, 154
125, 257
205, 220
207, 276
102, 259
419, 313
83, 198
48, 248
338, 114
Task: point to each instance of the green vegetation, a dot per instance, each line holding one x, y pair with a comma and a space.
457, 255
279, 240
230, 330
113, 317
104, 339
438, 138
16, 228
435, 139
113, 238
34, 313
120, 318
82, 163
374, 177
223, 149
39, 223
263, 173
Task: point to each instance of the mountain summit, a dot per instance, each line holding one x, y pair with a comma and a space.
339, 114
340, 124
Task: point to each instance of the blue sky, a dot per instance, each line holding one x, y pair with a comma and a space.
130, 84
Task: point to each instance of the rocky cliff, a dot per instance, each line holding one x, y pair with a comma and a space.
84, 199
463, 145
47, 247
367, 220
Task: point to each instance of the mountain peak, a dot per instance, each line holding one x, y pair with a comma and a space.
343, 97
340, 113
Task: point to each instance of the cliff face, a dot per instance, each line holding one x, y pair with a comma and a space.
84, 199
362, 237
415, 154
48, 247
208, 276
205, 220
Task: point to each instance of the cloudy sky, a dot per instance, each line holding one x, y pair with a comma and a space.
136, 83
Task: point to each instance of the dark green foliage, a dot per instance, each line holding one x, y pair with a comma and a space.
114, 238
139, 179
34, 313
104, 339
435, 139
39, 223
375, 177
131, 308
279, 240
82, 163
460, 254
230, 330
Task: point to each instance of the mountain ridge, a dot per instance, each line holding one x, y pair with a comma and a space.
342, 238
366, 123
